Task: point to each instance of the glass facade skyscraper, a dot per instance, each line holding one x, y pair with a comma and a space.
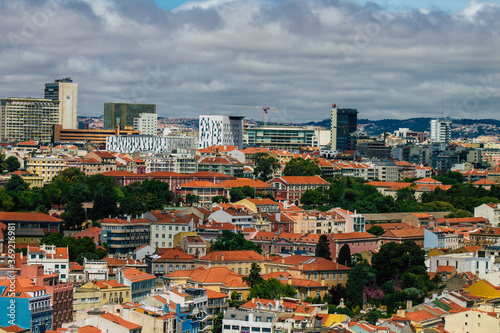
126, 112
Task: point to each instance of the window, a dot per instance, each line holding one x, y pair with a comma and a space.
57, 266
63, 266
255, 329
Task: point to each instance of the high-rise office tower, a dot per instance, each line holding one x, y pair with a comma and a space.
28, 119
344, 122
126, 112
441, 130
66, 92
220, 131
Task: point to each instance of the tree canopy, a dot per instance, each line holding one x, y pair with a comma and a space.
272, 289
230, 241
301, 167
323, 248
265, 166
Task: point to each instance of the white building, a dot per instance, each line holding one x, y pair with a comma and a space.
163, 231
66, 92
238, 218
442, 239
54, 259
180, 163
236, 321
386, 171
220, 131
472, 321
441, 130
463, 262
491, 212
95, 270
128, 144
24, 119
146, 123
353, 222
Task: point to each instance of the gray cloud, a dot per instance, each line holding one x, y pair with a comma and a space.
294, 55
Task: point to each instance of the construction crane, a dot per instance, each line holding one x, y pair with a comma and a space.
263, 108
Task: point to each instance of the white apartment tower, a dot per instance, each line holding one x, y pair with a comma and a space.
65, 91
220, 131
146, 123
441, 130
24, 119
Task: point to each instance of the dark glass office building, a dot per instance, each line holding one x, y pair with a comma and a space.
126, 112
344, 122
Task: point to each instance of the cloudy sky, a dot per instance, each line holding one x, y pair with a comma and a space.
387, 58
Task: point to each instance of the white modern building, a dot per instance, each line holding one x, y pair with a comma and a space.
236, 321
491, 212
54, 259
463, 262
24, 119
66, 92
441, 130
128, 144
180, 163
95, 270
146, 123
220, 131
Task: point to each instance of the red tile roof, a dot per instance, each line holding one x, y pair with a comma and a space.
27, 217
136, 275
120, 321
233, 256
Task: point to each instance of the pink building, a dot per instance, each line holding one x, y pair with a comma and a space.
61, 294
357, 241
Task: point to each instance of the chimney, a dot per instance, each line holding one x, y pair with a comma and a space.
253, 300
301, 265
289, 279
401, 312
409, 304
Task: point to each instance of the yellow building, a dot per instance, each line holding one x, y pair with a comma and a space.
239, 262
95, 294
46, 167
31, 179
483, 289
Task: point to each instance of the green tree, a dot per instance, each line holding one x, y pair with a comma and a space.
265, 166
359, 277
218, 323
220, 199
230, 241
301, 167
6, 202
373, 315
272, 289
376, 230
12, 164
323, 248
254, 277
395, 259
345, 255
337, 293
314, 198
191, 199
131, 206
74, 215
236, 194
105, 200
458, 213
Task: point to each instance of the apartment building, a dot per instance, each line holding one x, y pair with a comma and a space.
24, 119
46, 167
